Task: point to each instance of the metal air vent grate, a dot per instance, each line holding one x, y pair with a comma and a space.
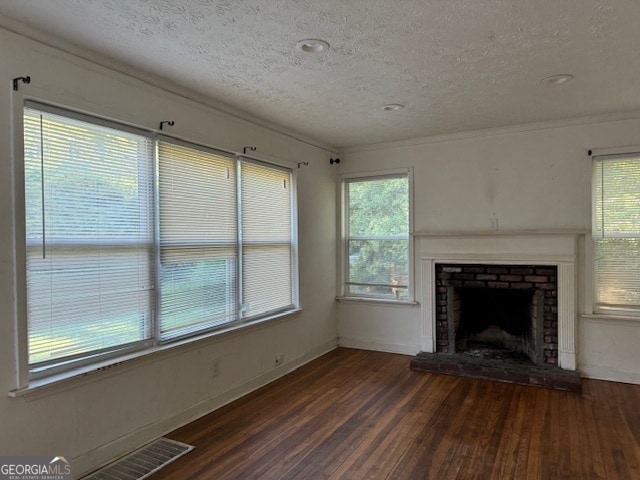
143, 462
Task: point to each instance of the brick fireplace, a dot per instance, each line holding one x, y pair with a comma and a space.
488, 309
542, 262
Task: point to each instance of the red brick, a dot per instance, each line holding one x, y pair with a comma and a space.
522, 285
464, 276
522, 271
451, 269
546, 271
497, 270
536, 278
474, 269
486, 276
511, 278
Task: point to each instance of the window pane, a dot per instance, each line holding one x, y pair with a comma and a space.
267, 279
267, 239
617, 197
379, 263
617, 271
616, 231
378, 207
197, 289
198, 239
378, 236
89, 232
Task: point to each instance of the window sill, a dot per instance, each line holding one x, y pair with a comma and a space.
381, 301
101, 370
607, 318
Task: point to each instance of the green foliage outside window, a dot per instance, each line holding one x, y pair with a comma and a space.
378, 233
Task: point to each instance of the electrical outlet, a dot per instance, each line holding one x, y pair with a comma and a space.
493, 223
279, 359
215, 368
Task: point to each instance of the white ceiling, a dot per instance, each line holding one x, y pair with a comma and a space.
457, 65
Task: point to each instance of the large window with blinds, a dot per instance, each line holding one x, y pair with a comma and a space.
134, 240
616, 233
376, 226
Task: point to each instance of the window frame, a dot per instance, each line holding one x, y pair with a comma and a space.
65, 368
592, 305
50, 368
343, 267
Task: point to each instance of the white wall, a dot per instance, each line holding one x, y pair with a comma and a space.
103, 415
536, 177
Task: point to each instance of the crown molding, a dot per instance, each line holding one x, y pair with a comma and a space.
18, 28
489, 132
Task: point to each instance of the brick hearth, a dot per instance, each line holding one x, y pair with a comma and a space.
521, 373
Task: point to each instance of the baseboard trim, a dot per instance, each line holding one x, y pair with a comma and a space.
378, 346
599, 372
105, 454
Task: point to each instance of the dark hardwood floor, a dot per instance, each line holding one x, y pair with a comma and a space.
355, 414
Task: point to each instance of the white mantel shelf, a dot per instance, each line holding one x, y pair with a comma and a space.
523, 247
491, 233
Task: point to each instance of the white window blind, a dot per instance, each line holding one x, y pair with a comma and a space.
616, 231
267, 239
89, 235
198, 239
214, 230
377, 236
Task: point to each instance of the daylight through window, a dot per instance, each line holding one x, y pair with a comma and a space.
376, 248
117, 261
616, 232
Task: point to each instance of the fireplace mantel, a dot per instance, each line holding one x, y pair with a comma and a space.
559, 248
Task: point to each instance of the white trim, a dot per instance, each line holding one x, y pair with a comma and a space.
295, 246
70, 379
26, 382
400, 348
611, 374
21, 344
411, 291
567, 323
497, 233
617, 320
116, 69
606, 151
384, 301
342, 229
487, 132
428, 311
505, 259
559, 249
377, 173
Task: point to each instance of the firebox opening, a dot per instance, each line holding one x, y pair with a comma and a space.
497, 323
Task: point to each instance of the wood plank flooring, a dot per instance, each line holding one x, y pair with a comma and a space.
355, 414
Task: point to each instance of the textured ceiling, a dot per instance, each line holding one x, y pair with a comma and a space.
457, 65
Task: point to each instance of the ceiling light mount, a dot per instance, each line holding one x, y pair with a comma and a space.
312, 45
555, 80
392, 107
